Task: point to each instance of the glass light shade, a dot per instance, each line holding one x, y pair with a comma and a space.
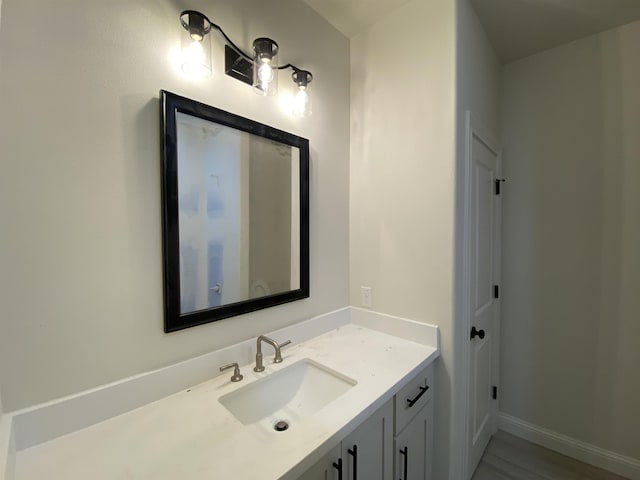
265, 67
302, 101
196, 44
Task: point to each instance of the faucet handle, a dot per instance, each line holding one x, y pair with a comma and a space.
236, 377
278, 358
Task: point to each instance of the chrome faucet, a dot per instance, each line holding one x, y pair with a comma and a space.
278, 358
236, 371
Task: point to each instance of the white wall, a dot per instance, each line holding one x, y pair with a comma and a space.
477, 91
402, 175
571, 231
477, 75
81, 264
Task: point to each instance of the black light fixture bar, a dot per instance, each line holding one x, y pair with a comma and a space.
238, 67
238, 64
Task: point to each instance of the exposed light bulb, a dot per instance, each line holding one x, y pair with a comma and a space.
265, 66
265, 73
194, 60
195, 50
302, 103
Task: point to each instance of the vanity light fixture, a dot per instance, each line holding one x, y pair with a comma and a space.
259, 70
302, 102
265, 66
196, 45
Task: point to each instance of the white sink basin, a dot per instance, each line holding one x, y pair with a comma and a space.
290, 394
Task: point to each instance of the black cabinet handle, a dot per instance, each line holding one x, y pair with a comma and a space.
479, 333
405, 452
338, 466
354, 454
423, 390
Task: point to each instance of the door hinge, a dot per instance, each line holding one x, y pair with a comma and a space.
495, 392
496, 291
498, 182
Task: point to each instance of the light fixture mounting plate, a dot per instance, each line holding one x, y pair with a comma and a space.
237, 66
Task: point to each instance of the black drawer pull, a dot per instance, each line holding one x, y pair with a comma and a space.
423, 390
338, 466
405, 452
354, 454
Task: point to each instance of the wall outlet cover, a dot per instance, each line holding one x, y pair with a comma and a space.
365, 296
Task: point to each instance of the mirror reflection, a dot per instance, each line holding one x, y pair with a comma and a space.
238, 213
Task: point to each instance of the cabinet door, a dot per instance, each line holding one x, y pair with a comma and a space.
323, 469
366, 453
413, 447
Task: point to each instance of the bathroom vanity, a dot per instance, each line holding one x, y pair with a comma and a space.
394, 442
355, 389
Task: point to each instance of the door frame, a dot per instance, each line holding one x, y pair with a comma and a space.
473, 130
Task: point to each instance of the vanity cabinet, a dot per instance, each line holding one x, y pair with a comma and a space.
393, 443
413, 447
323, 469
365, 454
413, 434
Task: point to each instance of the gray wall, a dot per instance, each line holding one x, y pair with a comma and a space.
81, 261
269, 216
571, 231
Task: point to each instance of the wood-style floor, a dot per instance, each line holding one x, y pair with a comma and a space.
511, 458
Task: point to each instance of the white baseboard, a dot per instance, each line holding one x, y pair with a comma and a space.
585, 452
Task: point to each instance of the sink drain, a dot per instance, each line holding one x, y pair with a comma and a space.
281, 426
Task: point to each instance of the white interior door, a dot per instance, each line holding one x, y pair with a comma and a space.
483, 252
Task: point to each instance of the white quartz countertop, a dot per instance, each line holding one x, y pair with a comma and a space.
191, 435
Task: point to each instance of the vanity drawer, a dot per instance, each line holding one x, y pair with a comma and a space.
413, 396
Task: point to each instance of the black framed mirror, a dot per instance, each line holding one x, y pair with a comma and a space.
235, 204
